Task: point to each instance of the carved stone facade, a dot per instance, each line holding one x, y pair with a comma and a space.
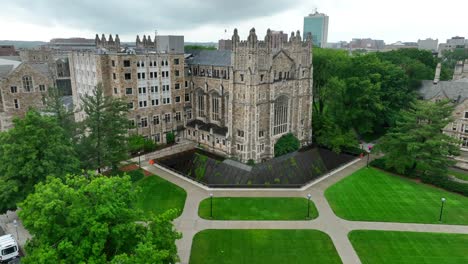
22, 88
244, 100
152, 84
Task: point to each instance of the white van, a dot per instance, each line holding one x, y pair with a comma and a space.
8, 248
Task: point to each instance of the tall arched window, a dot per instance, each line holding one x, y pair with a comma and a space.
215, 109
201, 104
280, 122
27, 83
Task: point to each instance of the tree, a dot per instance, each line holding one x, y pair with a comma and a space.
139, 143
417, 143
36, 147
286, 144
93, 220
64, 116
198, 47
170, 137
103, 140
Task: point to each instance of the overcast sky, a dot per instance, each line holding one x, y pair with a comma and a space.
207, 20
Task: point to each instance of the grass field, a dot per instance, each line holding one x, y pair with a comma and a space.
409, 247
372, 195
458, 174
257, 208
262, 247
159, 195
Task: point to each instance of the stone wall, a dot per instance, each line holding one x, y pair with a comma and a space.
25, 99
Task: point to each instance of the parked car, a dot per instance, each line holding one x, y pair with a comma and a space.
9, 249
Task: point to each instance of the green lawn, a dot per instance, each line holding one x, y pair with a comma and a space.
459, 175
262, 246
159, 195
409, 247
257, 208
372, 195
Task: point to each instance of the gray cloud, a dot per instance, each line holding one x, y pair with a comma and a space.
126, 17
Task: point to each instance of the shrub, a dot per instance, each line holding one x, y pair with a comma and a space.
135, 143
251, 162
139, 143
286, 144
170, 137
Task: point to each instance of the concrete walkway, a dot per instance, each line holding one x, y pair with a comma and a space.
189, 223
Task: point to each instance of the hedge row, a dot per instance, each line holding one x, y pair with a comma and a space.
442, 182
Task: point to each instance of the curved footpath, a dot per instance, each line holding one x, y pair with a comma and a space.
189, 223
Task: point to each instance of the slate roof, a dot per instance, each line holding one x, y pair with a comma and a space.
457, 91
209, 57
42, 68
5, 70
14, 58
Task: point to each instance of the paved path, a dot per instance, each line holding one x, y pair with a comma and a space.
189, 223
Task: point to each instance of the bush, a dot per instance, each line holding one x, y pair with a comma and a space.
170, 137
251, 162
139, 143
441, 181
286, 144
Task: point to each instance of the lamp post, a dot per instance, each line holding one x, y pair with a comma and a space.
308, 205
368, 155
139, 160
441, 209
211, 205
15, 224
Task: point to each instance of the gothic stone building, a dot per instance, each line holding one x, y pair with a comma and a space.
457, 93
244, 100
150, 80
22, 86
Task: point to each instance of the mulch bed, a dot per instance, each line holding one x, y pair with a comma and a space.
132, 167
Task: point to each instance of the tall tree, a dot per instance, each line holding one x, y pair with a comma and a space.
93, 220
36, 147
104, 138
65, 117
417, 143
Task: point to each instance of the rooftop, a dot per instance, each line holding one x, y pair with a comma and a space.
209, 57
457, 91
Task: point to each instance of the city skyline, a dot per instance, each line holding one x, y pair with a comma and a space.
209, 21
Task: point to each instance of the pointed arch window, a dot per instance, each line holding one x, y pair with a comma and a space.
27, 83
280, 122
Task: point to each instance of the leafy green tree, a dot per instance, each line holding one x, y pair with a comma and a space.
92, 219
170, 137
139, 143
286, 144
64, 116
103, 141
36, 147
417, 143
198, 47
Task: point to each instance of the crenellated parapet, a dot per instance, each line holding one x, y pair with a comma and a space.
295, 40
146, 43
109, 44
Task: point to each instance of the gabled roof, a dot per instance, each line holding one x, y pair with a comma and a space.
5, 70
209, 57
456, 91
41, 67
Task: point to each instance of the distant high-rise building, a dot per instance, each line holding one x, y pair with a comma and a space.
317, 25
428, 44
